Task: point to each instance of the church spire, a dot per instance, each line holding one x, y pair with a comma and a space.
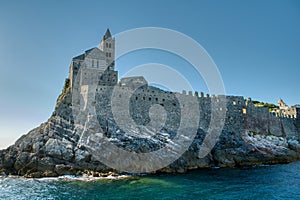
107, 34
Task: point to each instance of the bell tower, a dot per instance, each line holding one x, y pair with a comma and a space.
107, 45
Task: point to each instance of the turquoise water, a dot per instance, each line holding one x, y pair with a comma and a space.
262, 182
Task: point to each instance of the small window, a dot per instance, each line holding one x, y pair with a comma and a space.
106, 54
109, 45
156, 99
109, 55
163, 99
136, 98
244, 111
174, 104
149, 98
144, 98
162, 104
106, 45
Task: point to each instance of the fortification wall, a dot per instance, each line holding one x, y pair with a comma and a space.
239, 114
297, 120
144, 97
234, 116
257, 119
289, 129
275, 125
204, 111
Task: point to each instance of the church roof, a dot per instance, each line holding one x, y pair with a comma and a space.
80, 57
93, 53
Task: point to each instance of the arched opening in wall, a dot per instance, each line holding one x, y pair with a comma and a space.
106, 44
156, 99
149, 98
144, 98
162, 104
234, 103
136, 98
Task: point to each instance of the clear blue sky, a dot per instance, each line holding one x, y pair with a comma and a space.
255, 44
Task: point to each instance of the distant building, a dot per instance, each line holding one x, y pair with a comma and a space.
285, 110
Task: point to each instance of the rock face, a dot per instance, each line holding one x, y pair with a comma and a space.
54, 148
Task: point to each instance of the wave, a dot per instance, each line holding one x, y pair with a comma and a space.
83, 178
72, 178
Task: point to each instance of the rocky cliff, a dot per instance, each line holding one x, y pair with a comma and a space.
54, 148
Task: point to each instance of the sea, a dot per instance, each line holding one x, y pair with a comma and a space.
257, 182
